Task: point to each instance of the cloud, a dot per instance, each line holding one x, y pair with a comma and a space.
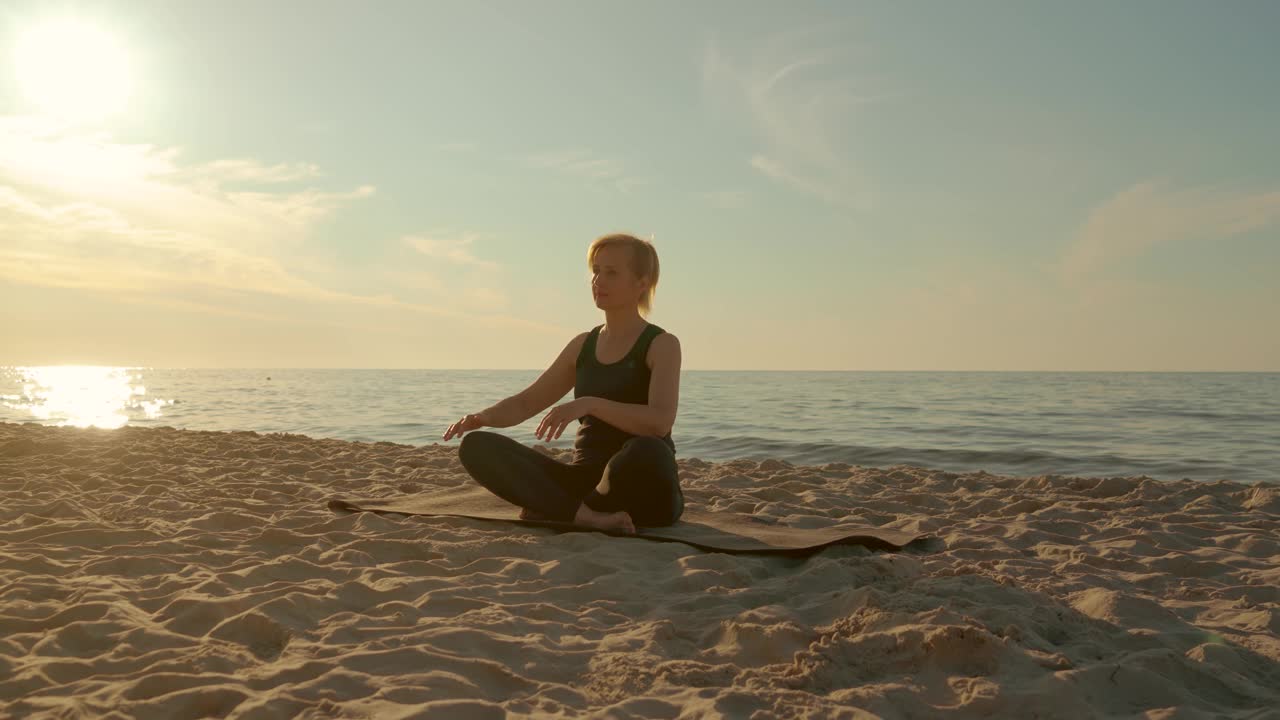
249, 170
420, 280
1153, 212
13, 201
149, 186
474, 297
86, 246
456, 250
472, 290
799, 91
83, 212
585, 164
485, 298
832, 194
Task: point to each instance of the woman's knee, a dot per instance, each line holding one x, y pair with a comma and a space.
475, 443
646, 479
648, 446
649, 455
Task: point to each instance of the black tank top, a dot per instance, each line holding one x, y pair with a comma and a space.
626, 381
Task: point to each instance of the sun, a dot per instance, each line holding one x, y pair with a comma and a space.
73, 69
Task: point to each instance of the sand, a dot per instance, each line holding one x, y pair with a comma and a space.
161, 573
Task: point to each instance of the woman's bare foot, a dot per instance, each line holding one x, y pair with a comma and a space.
620, 521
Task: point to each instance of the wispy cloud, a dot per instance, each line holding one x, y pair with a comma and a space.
835, 194
154, 191
588, 165
799, 91
456, 250
1154, 212
83, 212
92, 247
420, 280
485, 298
475, 290
251, 171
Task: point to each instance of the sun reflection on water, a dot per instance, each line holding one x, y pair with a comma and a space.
81, 395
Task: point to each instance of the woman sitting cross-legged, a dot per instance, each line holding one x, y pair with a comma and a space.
625, 376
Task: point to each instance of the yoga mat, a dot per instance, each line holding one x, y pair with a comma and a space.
724, 532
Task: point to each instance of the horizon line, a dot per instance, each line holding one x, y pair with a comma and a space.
721, 370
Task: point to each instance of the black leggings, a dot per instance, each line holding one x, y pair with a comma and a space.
640, 478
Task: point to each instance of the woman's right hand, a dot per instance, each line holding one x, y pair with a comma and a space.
467, 423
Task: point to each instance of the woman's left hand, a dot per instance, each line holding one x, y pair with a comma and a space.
555, 421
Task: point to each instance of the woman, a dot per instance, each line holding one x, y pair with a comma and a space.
625, 377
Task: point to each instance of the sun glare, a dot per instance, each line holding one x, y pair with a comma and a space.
73, 70
81, 395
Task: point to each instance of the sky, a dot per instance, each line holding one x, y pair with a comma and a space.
830, 186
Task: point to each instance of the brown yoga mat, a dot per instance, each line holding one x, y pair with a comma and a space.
721, 531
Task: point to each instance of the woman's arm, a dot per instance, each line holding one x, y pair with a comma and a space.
552, 385
505, 413
658, 416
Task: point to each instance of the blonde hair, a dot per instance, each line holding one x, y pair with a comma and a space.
644, 262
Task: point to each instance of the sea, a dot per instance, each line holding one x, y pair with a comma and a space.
1168, 426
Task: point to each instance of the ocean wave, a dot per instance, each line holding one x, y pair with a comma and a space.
1019, 461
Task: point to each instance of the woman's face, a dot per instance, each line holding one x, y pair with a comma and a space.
612, 282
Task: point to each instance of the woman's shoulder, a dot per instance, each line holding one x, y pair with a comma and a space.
581, 338
665, 346
661, 334
578, 345
657, 330
665, 342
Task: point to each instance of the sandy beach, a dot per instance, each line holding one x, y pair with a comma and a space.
160, 573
